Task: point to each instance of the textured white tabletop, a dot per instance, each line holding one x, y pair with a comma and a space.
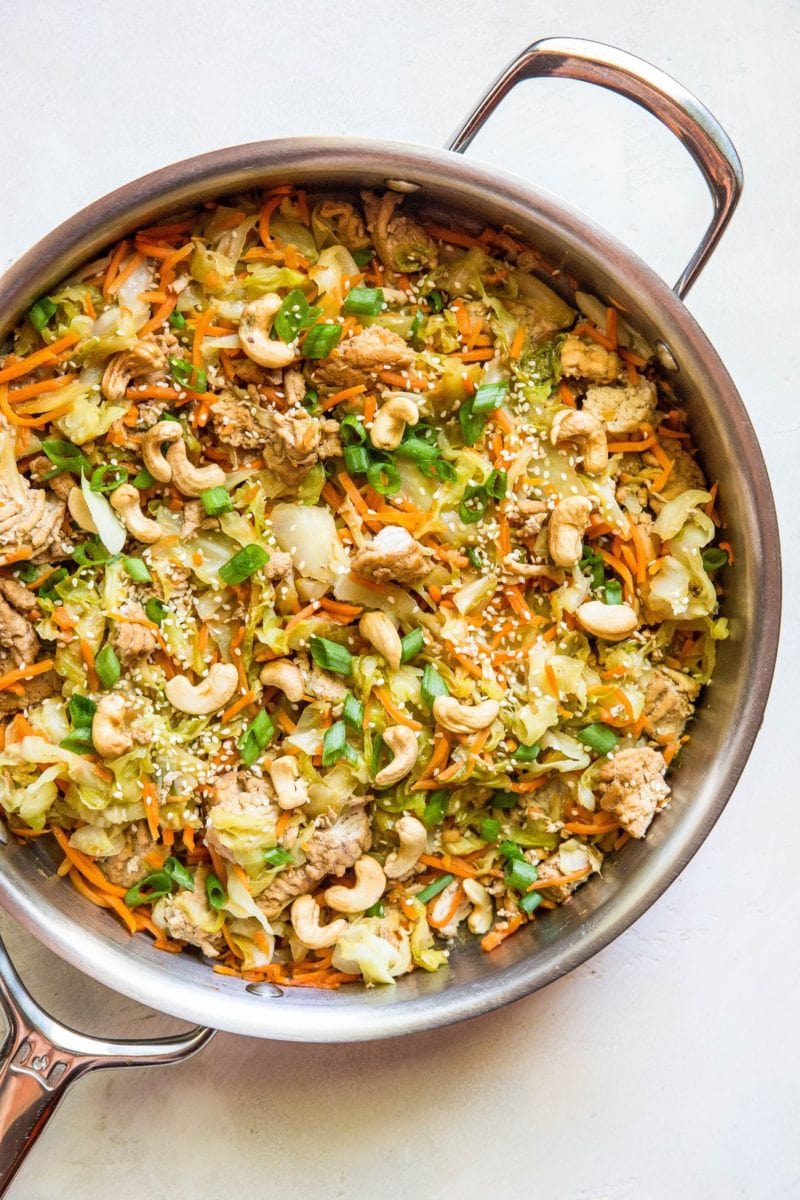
668, 1065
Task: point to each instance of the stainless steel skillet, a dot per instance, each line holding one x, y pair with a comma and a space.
41, 1058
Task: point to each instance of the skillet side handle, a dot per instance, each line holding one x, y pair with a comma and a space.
652, 89
41, 1058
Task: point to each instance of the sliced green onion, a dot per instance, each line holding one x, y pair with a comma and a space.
714, 558
143, 480
137, 569
520, 874
418, 450
216, 501
217, 896
177, 320
78, 742
320, 340
488, 397
256, 737
530, 902
187, 375
179, 873
363, 258
353, 711
434, 888
472, 424
496, 485
613, 592
526, 754
473, 503
594, 563
106, 664
375, 910
39, 316
310, 401
436, 809
356, 459
432, 685
292, 316
436, 300
375, 755
81, 710
244, 563
90, 553
384, 477
277, 857
155, 611
331, 656
490, 829
411, 645
352, 431
416, 324
66, 457
333, 743
503, 799
599, 738
443, 470
50, 593
510, 850
363, 301
108, 478
474, 558
153, 887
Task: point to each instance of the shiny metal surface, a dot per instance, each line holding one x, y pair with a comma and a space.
723, 732
682, 113
40, 1059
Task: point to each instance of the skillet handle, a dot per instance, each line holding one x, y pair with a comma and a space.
41, 1058
618, 71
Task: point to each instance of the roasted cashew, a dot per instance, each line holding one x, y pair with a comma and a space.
153, 459
110, 733
291, 790
464, 718
126, 501
208, 695
370, 882
613, 622
255, 327
283, 674
79, 511
189, 479
568, 523
379, 629
413, 839
572, 427
390, 422
305, 923
403, 744
482, 915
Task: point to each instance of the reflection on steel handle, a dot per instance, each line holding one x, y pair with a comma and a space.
41, 1058
690, 121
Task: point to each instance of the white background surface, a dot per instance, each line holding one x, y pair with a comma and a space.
668, 1064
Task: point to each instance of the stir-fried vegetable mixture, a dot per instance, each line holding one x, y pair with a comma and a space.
357, 587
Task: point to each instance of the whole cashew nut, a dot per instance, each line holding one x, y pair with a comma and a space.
126, 501
79, 511
110, 733
370, 882
464, 718
568, 523
291, 790
413, 839
390, 422
153, 459
305, 923
255, 327
482, 915
403, 744
282, 674
208, 695
613, 622
189, 479
573, 427
379, 630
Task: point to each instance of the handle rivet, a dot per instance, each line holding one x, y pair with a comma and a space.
401, 185
665, 356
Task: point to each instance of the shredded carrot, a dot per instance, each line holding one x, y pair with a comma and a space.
587, 330
517, 343
667, 465
504, 535
617, 565
113, 266
496, 936
344, 612
458, 896
38, 422
591, 829
86, 866
454, 236
726, 546
350, 489
238, 705
449, 864
644, 554
302, 615
16, 676
394, 712
670, 751
552, 679
28, 391
565, 394
125, 274
441, 753
536, 886
104, 900
517, 601
272, 202
17, 555
344, 394
286, 723
611, 326
502, 418
632, 447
